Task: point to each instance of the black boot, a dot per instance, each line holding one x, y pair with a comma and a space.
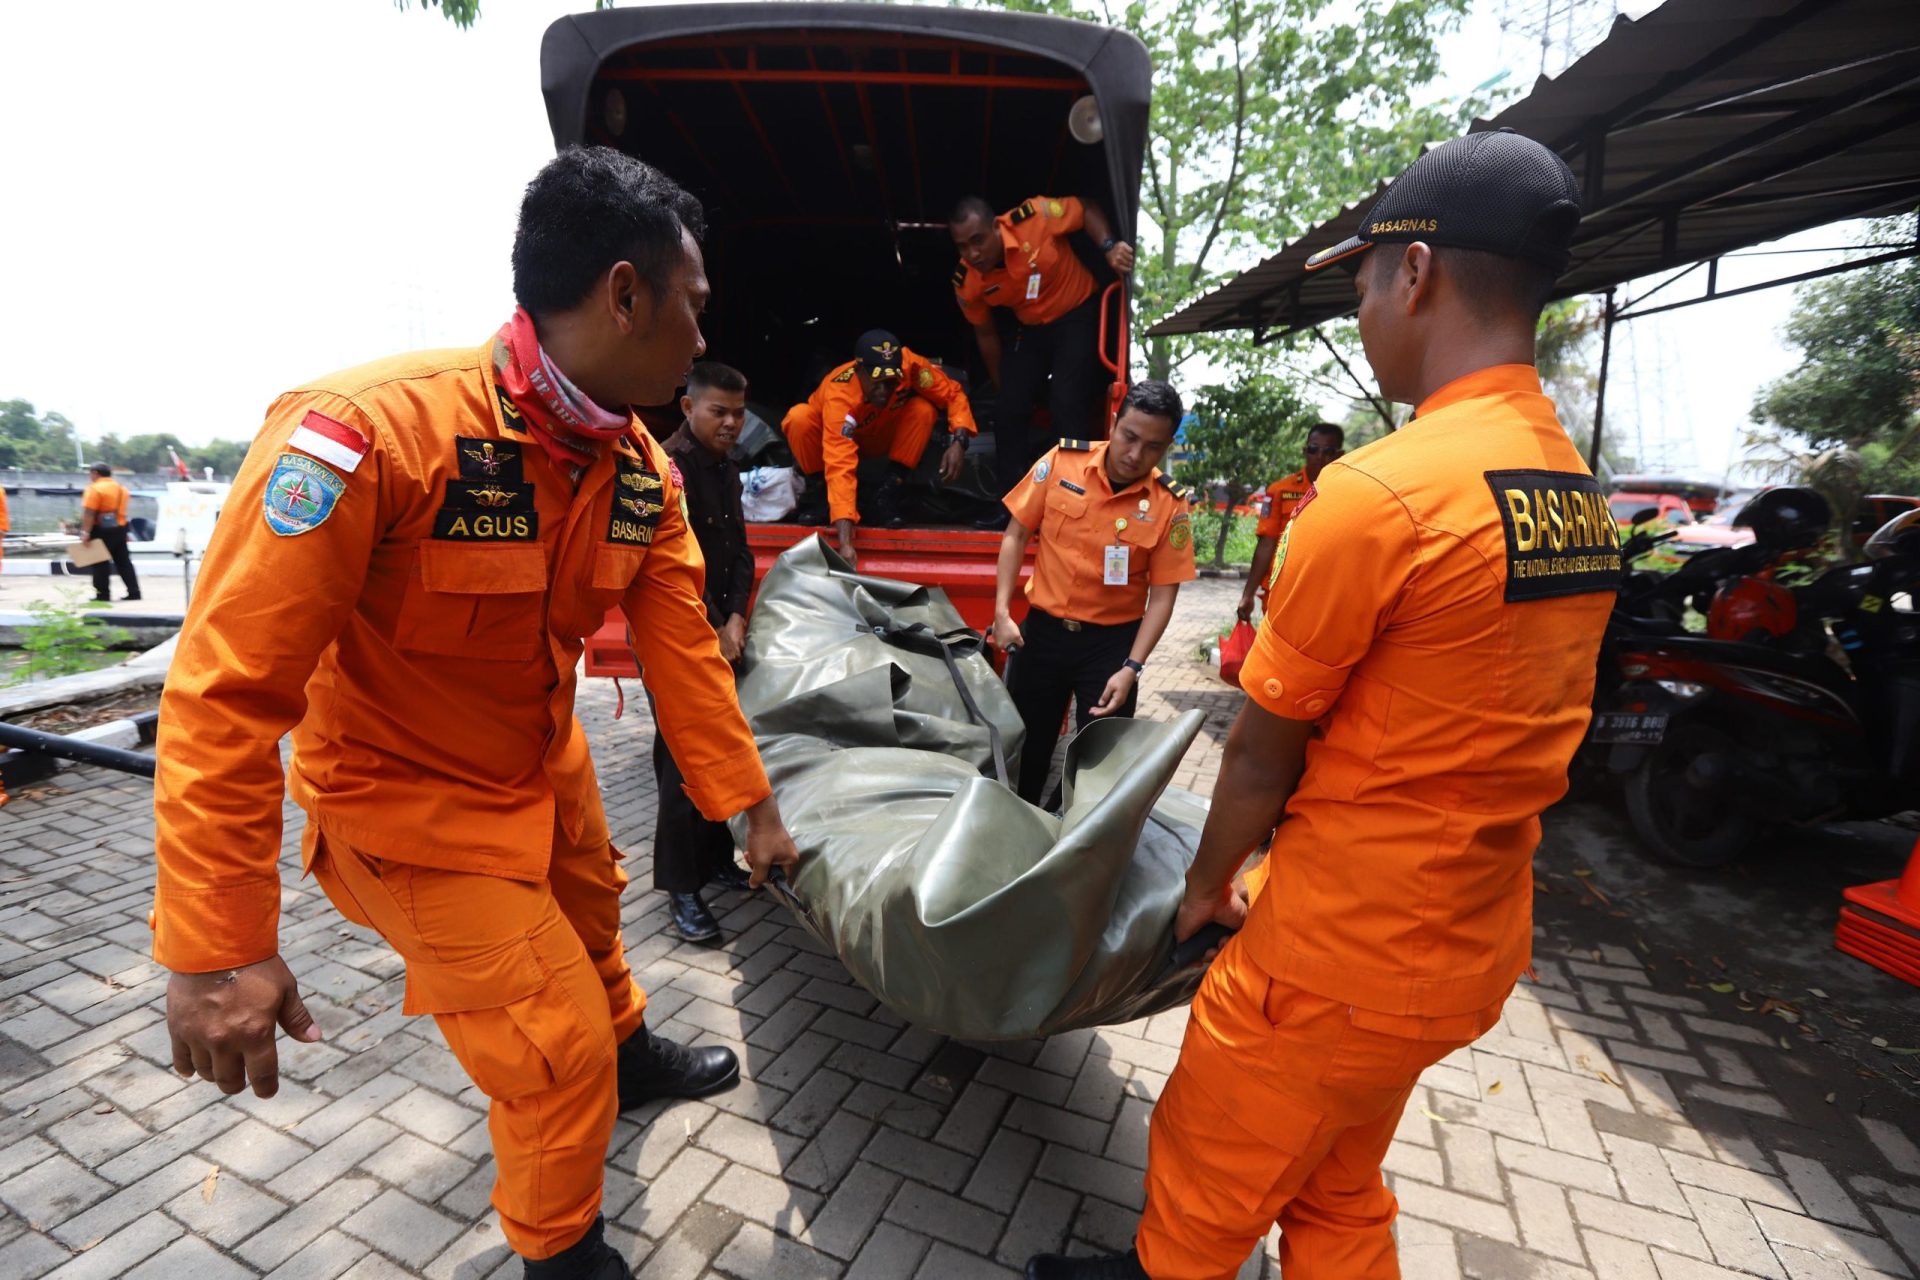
1115, 1266
813, 500
691, 919
650, 1068
995, 520
589, 1258
732, 876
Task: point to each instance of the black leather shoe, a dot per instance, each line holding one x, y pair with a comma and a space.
650, 1068
589, 1258
998, 520
732, 876
134, 596
1116, 1266
692, 920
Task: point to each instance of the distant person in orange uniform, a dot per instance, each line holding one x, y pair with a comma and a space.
1023, 260
881, 403
1418, 687
103, 515
1116, 542
1277, 503
412, 554
5, 523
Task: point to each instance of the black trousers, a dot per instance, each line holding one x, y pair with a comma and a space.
114, 539
687, 848
1052, 665
1062, 361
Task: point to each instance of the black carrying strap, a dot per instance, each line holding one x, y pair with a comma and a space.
921, 638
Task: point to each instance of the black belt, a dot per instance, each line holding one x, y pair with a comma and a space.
1071, 624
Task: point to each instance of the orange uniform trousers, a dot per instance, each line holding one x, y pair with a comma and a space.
900, 434
528, 981
1280, 1109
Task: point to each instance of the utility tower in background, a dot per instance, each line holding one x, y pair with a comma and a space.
1547, 35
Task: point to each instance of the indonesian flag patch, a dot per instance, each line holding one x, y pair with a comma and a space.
329, 440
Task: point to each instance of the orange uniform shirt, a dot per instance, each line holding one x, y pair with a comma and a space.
1069, 504
838, 414
1437, 607
106, 496
1276, 504
1041, 279
415, 619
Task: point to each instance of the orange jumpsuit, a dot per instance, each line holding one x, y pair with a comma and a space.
835, 427
1439, 616
414, 616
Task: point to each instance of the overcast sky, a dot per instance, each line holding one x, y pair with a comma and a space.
211, 201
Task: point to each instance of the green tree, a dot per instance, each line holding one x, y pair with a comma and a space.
224, 456
1268, 116
1241, 437
1846, 420
32, 441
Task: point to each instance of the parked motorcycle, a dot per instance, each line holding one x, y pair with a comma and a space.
1720, 740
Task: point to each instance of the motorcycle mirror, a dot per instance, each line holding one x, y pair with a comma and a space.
1645, 514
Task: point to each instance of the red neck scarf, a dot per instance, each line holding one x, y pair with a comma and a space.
572, 429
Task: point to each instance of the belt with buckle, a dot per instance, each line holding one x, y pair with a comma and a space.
1070, 624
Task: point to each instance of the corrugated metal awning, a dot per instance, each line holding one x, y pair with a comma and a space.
1702, 128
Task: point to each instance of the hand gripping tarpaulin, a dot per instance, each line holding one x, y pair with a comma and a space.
958, 905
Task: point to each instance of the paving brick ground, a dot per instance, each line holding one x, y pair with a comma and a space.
1618, 1123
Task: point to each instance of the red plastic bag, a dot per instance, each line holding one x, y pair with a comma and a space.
1234, 650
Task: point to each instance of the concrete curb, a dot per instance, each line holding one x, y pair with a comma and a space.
147, 671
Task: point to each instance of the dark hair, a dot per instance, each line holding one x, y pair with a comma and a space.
1339, 434
1155, 398
970, 207
711, 375
100, 469
1492, 284
589, 208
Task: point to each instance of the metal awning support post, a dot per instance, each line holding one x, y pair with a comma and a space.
1600, 397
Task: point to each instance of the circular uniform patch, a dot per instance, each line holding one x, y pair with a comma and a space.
1040, 472
1055, 209
1180, 537
301, 494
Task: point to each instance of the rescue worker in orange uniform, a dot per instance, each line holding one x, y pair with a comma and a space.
412, 554
103, 515
1279, 500
1116, 542
1024, 261
1417, 690
881, 403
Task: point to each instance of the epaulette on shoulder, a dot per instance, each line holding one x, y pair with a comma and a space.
1178, 490
1076, 446
845, 375
960, 276
1025, 211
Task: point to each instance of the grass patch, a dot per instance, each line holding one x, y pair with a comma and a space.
1240, 538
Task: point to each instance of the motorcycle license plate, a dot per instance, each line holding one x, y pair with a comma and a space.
1646, 727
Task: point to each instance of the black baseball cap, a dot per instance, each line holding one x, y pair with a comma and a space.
879, 354
1496, 191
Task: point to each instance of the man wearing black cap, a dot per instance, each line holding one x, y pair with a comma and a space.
881, 403
1434, 637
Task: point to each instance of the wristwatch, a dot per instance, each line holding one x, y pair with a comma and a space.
1106, 246
1136, 667
962, 438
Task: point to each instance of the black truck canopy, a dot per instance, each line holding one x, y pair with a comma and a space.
829, 142
1704, 127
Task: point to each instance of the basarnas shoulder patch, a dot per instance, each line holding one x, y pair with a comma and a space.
1041, 472
301, 494
1279, 557
1560, 534
1180, 533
